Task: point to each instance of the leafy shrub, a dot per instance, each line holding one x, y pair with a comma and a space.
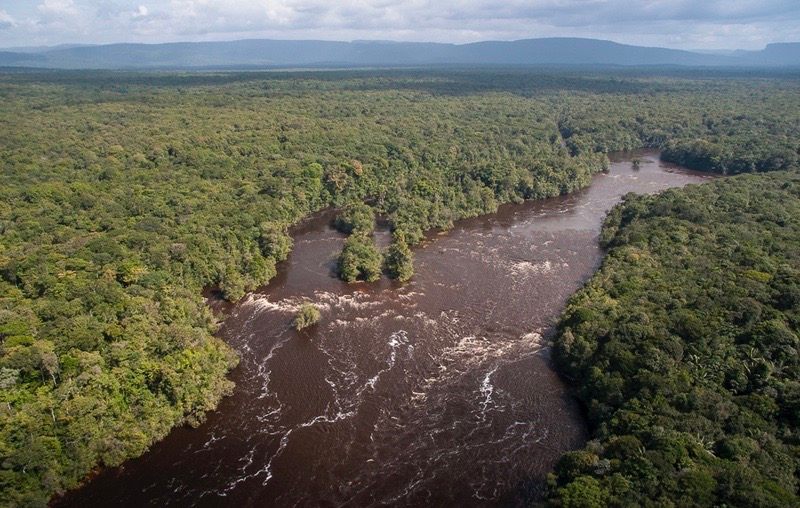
307, 315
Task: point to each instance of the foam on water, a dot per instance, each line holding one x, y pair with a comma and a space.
528, 268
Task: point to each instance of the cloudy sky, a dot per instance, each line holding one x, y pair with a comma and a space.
687, 24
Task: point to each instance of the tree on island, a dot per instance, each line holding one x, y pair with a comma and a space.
359, 260
399, 262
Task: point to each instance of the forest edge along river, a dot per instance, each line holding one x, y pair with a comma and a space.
437, 391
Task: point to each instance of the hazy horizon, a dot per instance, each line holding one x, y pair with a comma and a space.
677, 24
386, 41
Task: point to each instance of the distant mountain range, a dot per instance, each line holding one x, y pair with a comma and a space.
276, 53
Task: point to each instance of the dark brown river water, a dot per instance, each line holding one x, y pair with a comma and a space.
436, 392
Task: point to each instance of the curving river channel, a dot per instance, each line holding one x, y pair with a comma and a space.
439, 391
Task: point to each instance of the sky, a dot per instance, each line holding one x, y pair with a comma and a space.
684, 24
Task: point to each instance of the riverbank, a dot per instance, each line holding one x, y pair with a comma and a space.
683, 349
439, 391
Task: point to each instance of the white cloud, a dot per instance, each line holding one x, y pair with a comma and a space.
6, 21
57, 8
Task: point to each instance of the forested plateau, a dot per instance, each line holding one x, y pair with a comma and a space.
125, 195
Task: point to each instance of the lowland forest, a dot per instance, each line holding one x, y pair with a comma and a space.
125, 195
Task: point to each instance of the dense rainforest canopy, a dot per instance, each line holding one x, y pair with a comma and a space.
123, 195
684, 349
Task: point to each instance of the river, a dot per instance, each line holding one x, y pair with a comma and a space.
438, 391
